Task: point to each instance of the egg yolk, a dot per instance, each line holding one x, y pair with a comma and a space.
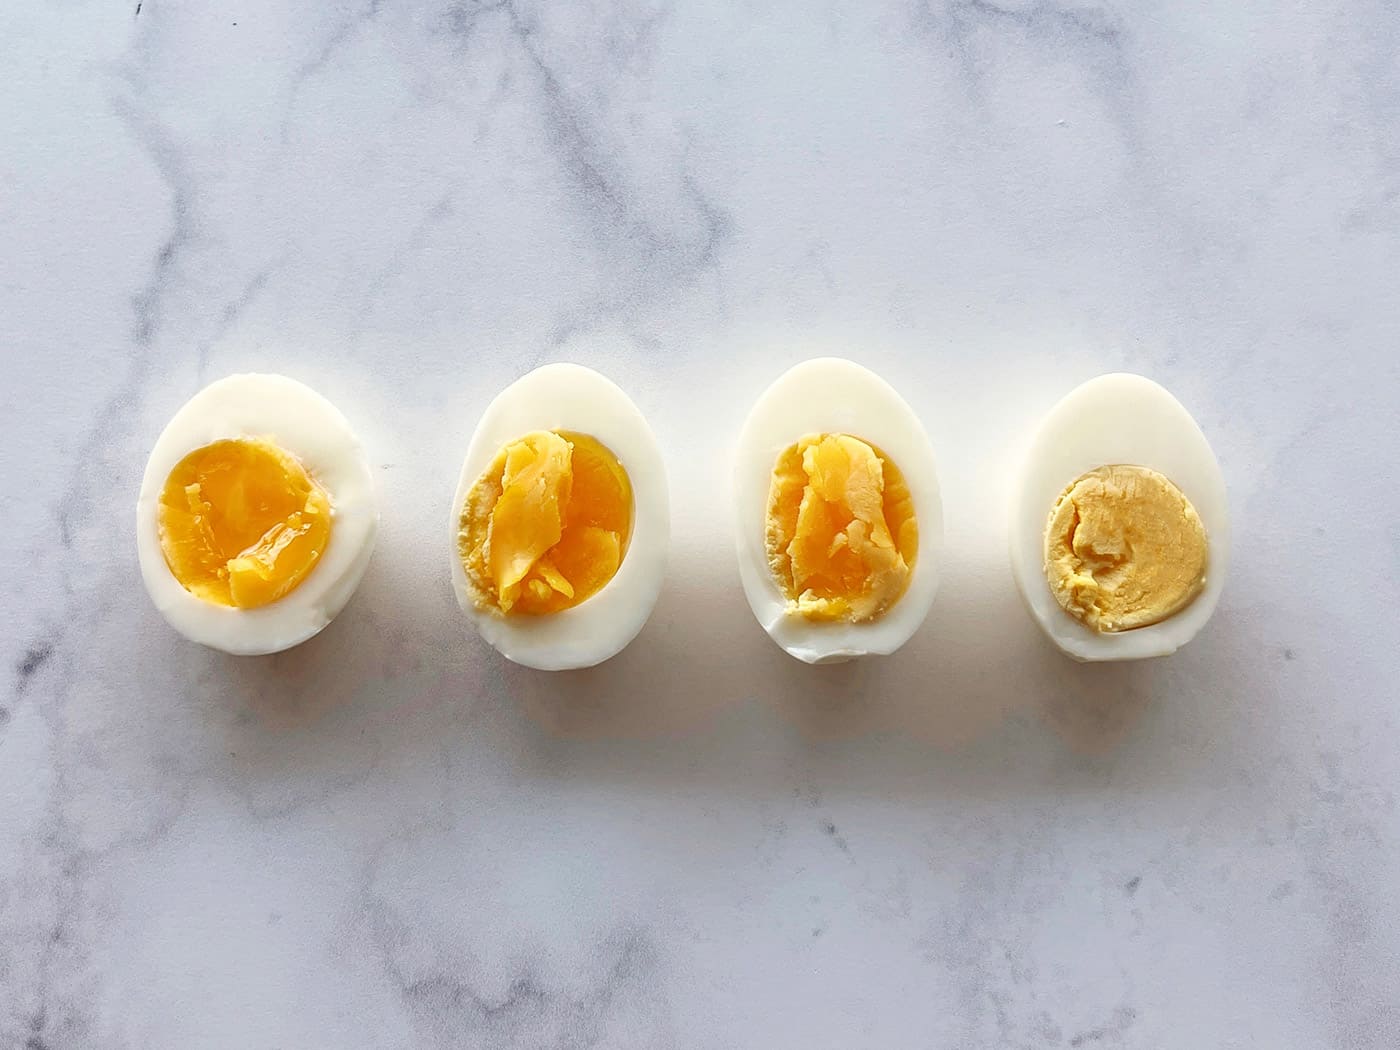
841, 533
547, 524
1124, 548
242, 523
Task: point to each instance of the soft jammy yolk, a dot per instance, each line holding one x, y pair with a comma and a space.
242, 523
1124, 548
841, 533
546, 525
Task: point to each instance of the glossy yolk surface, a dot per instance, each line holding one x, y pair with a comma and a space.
841, 533
241, 522
546, 525
1124, 548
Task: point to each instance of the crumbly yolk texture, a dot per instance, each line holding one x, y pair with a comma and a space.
241, 522
841, 533
547, 524
1124, 548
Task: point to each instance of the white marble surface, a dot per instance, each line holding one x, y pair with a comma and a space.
389, 838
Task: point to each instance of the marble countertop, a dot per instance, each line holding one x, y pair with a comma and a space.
390, 837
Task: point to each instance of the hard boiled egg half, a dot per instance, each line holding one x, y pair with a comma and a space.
1119, 525
256, 517
561, 522
839, 519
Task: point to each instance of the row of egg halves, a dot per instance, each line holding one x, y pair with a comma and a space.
257, 517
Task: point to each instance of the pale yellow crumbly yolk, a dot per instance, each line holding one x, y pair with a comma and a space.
546, 526
241, 522
1124, 548
841, 533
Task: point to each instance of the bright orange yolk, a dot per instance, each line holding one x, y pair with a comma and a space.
546, 526
242, 523
841, 534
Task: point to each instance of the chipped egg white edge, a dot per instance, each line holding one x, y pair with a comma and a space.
572, 397
816, 396
1138, 422
311, 428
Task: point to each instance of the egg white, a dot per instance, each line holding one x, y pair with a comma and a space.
1117, 418
830, 395
302, 422
574, 398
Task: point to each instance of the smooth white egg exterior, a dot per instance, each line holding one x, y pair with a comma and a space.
304, 423
829, 395
572, 397
1116, 418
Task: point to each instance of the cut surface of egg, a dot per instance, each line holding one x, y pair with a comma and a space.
561, 522
256, 517
839, 519
1119, 522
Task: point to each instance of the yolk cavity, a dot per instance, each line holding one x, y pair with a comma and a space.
241, 522
841, 535
1124, 548
546, 526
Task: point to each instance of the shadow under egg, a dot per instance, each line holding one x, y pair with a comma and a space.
689, 662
